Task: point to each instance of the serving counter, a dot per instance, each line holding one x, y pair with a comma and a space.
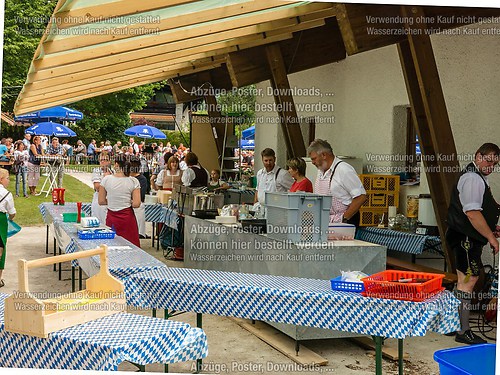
212, 246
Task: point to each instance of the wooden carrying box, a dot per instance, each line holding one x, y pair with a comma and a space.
26, 314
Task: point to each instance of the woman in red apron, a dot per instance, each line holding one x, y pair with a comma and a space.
121, 193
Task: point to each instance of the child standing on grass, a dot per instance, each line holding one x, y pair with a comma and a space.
21, 157
7, 212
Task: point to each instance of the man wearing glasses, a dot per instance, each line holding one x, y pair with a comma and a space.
472, 223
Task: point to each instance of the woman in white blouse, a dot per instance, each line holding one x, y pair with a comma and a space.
121, 193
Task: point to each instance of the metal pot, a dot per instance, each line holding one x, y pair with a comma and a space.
200, 202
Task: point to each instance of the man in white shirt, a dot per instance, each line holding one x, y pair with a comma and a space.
338, 179
271, 178
195, 175
134, 146
27, 141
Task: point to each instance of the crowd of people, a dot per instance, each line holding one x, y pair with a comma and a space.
25, 157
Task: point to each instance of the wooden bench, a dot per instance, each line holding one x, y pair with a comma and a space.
395, 263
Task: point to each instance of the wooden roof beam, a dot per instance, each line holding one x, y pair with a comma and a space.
290, 124
26, 105
430, 116
368, 26
324, 46
119, 32
89, 14
206, 33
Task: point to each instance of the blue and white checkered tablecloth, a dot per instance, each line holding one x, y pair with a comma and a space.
155, 213
104, 343
158, 213
51, 212
400, 241
124, 258
289, 300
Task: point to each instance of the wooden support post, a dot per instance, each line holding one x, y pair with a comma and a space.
431, 118
218, 124
215, 121
312, 130
284, 101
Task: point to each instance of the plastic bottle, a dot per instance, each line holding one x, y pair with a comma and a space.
243, 214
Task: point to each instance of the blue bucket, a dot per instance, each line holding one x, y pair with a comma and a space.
467, 360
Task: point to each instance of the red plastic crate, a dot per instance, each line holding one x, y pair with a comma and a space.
386, 284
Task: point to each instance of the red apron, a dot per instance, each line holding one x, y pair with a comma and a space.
124, 224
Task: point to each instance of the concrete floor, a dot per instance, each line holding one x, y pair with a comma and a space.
232, 349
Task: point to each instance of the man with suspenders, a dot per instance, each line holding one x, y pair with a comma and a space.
271, 178
338, 179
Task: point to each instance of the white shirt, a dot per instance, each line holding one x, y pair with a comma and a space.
7, 205
188, 175
471, 190
135, 147
119, 191
345, 185
22, 156
269, 182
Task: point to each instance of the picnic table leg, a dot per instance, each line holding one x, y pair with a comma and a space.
80, 277
400, 357
73, 278
60, 265
378, 354
158, 239
199, 324
297, 347
153, 224
47, 241
55, 245
153, 313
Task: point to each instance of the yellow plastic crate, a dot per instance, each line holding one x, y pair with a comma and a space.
380, 183
372, 217
381, 200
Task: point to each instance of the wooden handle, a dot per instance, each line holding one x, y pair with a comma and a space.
66, 257
23, 265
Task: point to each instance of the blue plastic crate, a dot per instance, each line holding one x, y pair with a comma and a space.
347, 286
467, 360
96, 234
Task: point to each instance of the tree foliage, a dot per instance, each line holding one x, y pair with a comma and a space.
240, 103
105, 117
24, 24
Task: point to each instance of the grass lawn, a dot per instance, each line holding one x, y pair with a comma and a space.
27, 208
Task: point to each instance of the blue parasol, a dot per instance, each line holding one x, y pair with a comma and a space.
55, 113
248, 133
50, 128
247, 144
145, 131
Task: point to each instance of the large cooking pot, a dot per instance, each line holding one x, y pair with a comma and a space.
200, 202
208, 201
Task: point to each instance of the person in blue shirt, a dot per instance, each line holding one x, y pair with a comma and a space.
91, 152
4, 151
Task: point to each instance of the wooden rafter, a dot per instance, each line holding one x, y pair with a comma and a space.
284, 100
112, 32
431, 119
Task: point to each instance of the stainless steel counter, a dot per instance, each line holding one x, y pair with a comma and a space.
212, 246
